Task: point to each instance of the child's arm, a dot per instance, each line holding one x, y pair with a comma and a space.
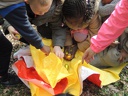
58, 39
19, 20
112, 28
5, 26
8, 28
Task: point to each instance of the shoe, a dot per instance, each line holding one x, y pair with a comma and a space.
9, 80
69, 52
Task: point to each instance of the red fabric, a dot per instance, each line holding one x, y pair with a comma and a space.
30, 73
94, 78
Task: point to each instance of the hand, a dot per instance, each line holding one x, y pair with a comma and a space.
123, 56
13, 32
45, 49
88, 55
58, 51
114, 44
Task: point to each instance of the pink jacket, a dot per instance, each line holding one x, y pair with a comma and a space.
112, 28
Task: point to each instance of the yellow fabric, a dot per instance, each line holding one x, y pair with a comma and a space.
111, 73
52, 70
108, 75
37, 91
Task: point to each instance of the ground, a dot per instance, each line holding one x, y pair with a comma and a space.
119, 88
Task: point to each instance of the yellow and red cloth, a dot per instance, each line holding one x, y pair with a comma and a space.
47, 75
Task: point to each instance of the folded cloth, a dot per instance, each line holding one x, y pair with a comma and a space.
25, 51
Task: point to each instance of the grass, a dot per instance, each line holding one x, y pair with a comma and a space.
119, 88
18, 90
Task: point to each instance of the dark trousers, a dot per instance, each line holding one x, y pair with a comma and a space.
5, 53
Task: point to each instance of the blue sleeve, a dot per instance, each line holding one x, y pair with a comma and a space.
19, 20
6, 10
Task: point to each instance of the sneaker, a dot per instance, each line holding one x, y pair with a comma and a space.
69, 52
9, 80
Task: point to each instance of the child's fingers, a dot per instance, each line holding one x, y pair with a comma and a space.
84, 58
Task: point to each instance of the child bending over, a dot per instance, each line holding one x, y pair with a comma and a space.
14, 12
49, 25
82, 17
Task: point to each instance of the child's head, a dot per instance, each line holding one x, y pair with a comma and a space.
76, 12
39, 7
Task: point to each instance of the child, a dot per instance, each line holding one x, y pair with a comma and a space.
15, 13
112, 55
49, 25
82, 18
112, 28
8, 11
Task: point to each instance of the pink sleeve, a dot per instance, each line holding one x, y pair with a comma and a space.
112, 28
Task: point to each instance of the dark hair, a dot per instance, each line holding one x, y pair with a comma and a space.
78, 8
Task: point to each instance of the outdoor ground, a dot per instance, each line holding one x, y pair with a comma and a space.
119, 88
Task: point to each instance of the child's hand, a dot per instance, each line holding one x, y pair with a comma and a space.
58, 51
123, 56
88, 55
45, 49
13, 32
115, 43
